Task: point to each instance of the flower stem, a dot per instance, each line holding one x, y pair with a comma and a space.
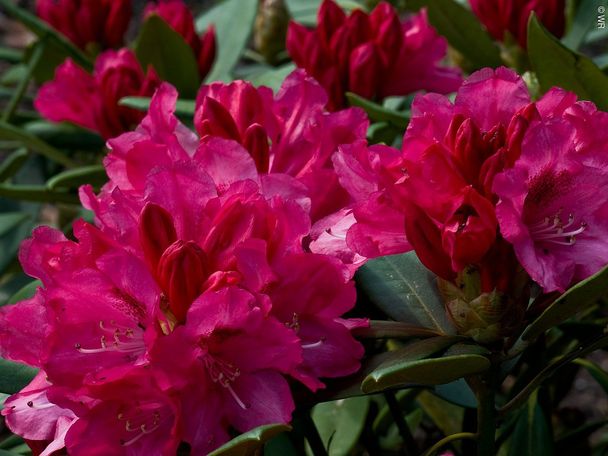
450, 438
404, 430
486, 414
304, 420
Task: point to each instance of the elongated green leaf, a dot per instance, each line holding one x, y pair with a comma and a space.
10, 55
273, 78
574, 300
8, 131
531, 436
26, 292
183, 108
379, 329
43, 30
280, 445
463, 31
64, 135
599, 374
448, 417
430, 371
377, 112
14, 226
13, 163
584, 21
37, 193
10, 221
556, 65
457, 392
305, 11
405, 290
94, 175
14, 376
172, 58
340, 423
248, 443
233, 22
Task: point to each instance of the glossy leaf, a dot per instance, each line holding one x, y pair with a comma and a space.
248, 443
405, 290
556, 65
574, 300
172, 58
13, 163
73, 178
26, 292
377, 112
183, 108
599, 374
532, 436
463, 31
448, 417
64, 135
584, 22
305, 11
340, 423
233, 22
457, 392
274, 77
37, 193
8, 131
14, 226
413, 365
14, 376
380, 329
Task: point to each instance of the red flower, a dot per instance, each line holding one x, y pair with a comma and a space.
372, 55
501, 16
91, 100
179, 17
101, 23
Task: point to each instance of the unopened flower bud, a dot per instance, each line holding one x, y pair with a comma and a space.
270, 28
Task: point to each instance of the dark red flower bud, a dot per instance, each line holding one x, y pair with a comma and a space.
364, 71
182, 271
216, 121
156, 232
206, 56
255, 140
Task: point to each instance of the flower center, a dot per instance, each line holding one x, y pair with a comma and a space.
141, 420
224, 373
553, 230
118, 338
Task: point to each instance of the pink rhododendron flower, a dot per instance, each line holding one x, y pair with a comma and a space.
373, 55
502, 16
189, 307
552, 207
91, 100
291, 133
177, 14
99, 24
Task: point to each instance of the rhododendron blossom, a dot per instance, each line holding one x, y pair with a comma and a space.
373, 55
92, 25
187, 309
442, 192
91, 100
179, 17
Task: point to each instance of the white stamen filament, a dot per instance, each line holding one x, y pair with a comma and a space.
313, 345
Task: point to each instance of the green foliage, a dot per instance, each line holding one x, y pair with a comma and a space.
162, 47
233, 22
247, 444
556, 65
14, 376
532, 436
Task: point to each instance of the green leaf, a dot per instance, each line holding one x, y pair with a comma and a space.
577, 298
14, 226
183, 108
37, 193
599, 374
556, 65
532, 436
248, 443
448, 417
340, 423
405, 290
53, 55
172, 58
280, 445
64, 135
73, 178
14, 376
463, 31
26, 292
377, 112
13, 163
458, 393
305, 11
10, 55
233, 22
381, 329
429, 371
8, 131
584, 21
273, 78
